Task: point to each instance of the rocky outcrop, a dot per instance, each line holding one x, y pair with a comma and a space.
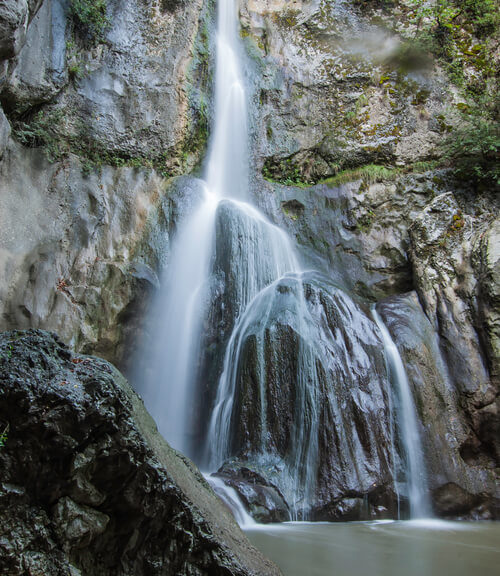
334, 93
456, 264
15, 16
83, 254
87, 485
357, 232
90, 135
137, 94
462, 483
263, 500
310, 404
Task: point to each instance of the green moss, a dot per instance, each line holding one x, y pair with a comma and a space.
286, 18
365, 222
5, 432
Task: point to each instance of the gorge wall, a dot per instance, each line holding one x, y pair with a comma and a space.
97, 137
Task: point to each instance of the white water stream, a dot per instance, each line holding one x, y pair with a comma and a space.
262, 253
263, 257
408, 425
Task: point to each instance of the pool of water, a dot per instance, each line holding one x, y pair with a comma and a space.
409, 548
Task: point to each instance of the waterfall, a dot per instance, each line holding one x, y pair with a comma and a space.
286, 294
258, 254
227, 169
408, 425
232, 500
234, 290
172, 369
179, 309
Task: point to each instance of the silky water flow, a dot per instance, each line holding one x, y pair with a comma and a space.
267, 272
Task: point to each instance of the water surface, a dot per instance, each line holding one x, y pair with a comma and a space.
411, 548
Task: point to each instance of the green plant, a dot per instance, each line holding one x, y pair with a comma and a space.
89, 18
472, 149
365, 221
286, 171
369, 174
4, 436
75, 71
42, 130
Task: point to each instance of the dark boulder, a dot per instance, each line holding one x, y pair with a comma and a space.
88, 486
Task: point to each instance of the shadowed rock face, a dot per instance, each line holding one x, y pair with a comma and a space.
463, 481
87, 485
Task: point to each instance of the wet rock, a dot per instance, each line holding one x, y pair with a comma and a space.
264, 501
452, 501
486, 261
311, 396
77, 525
445, 428
87, 484
4, 133
449, 250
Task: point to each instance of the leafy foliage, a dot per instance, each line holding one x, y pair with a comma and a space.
473, 148
42, 130
459, 33
89, 18
46, 130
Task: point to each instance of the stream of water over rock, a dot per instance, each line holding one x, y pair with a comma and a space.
301, 417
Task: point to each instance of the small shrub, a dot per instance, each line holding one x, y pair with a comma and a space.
89, 18
42, 130
473, 150
75, 71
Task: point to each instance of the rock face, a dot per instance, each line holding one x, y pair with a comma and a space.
112, 120
462, 477
14, 18
331, 93
87, 485
311, 399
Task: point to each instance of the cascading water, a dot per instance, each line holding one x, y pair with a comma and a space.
312, 348
260, 252
172, 371
298, 475
407, 424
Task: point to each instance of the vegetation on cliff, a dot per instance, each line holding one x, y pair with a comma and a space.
462, 36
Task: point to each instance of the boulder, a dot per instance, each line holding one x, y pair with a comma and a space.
88, 486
